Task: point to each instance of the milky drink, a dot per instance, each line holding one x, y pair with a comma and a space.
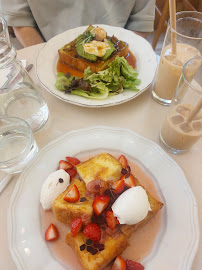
170, 69
179, 134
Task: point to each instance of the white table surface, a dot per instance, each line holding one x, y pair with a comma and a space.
142, 115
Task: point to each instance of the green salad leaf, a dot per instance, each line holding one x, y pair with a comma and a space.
118, 76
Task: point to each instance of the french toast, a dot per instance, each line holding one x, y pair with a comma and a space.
68, 55
104, 167
65, 211
113, 246
114, 241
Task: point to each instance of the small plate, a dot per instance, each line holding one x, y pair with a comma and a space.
48, 57
177, 242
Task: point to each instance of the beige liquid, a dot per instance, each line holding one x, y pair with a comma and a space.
170, 69
141, 243
179, 134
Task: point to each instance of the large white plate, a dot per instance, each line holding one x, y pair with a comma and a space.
177, 241
48, 57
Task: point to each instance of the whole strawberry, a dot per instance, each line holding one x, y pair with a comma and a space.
93, 232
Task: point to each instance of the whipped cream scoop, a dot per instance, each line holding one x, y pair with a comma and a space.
131, 206
54, 185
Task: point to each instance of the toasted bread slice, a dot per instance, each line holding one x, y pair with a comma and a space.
65, 211
104, 167
69, 56
112, 248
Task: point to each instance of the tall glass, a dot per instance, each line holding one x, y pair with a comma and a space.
188, 37
182, 127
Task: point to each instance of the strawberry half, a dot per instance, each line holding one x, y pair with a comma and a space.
111, 220
100, 203
75, 226
129, 180
93, 232
122, 159
118, 186
74, 161
131, 265
72, 195
51, 233
64, 165
119, 264
71, 172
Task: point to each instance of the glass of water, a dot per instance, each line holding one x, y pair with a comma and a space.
17, 144
19, 95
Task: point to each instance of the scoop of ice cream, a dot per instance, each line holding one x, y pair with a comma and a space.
131, 206
54, 185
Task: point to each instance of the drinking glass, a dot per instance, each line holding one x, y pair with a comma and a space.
7, 51
17, 144
182, 127
19, 95
188, 37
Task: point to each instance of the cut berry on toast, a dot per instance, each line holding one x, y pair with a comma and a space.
72, 172
93, 232
119, 264
64, 165
65, 211
129, 180
122, 159
111, 220
118, 186
76, 226
72, 160
100, 203
72, 195
51, 233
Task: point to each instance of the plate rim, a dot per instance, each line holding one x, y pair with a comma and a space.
79, 103
187, 263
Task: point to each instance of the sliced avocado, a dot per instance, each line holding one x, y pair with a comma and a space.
80, 49
109, 51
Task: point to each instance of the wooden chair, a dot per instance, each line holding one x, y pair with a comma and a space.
162, 15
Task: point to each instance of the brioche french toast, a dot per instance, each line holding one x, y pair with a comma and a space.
65, 212
104, 167
114, 237
112, 248
69, 55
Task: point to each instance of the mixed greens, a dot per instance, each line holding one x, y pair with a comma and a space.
118, 76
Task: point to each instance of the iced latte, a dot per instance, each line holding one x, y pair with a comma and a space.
177, 132
170, 69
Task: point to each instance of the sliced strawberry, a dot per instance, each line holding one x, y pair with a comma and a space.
119, 264
118, 186
75, 226
74, 161
111, 220
131, 265
129, 180
122, 159
64, 165
93, 232
100, 203
71, 172
51, 233
72, 195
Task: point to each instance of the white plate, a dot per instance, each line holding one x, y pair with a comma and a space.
48, 56
177, 242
